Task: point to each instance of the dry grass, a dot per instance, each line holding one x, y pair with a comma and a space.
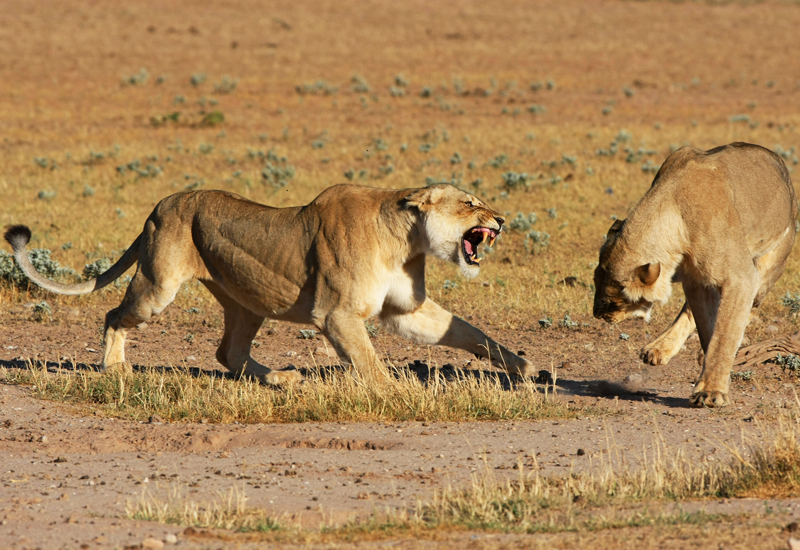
226, 511
610, 495
326, 396
536, 503
92, 123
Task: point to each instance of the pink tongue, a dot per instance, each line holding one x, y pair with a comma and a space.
468, 246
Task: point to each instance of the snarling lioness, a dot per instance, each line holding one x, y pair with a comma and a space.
722, 223
352, 253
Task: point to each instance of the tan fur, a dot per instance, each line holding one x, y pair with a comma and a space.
721, 222
352, 253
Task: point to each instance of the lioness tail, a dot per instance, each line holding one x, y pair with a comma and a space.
18, 237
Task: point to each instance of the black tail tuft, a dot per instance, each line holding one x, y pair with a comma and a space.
18, 236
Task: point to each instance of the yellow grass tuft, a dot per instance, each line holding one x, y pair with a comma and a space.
227, 510
612, 494
764, 467
177, 395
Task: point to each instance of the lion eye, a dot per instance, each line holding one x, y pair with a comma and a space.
470, 204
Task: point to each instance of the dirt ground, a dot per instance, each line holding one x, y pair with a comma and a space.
68, 477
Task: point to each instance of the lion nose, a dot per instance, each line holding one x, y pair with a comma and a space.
500, 221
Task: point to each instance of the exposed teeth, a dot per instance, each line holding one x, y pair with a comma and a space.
488, 237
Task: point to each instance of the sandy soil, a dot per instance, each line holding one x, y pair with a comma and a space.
67, 477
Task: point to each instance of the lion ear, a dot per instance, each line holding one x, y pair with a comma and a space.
422, 197
616, 226
648, 273
417, 198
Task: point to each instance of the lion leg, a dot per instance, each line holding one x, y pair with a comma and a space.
114, 337
233, 353
431, 324
771, 265
668, 344
143, 299
349, 337
721, 320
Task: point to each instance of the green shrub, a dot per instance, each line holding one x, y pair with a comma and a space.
536, 241
522, 222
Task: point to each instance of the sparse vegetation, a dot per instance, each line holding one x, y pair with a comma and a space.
612, 494
536, 241
320, 87
788, 362
768, 470
94, 269
328, 396
522, 222
791, 302
89, 149
197, 79
226, 86
226, 511
277, 171
137, 78
42, 312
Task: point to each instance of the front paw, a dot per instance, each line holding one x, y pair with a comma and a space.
522, 368
122, 367
654, 355
281, 377
709, 399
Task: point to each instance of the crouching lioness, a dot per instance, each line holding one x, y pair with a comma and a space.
721, 222
353, 252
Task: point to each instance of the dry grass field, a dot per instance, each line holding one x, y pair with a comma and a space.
558, 114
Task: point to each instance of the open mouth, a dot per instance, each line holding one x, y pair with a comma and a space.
474, 238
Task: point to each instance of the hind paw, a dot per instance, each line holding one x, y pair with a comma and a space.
709, 399
281, 377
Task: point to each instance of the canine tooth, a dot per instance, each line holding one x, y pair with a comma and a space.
485, 236
491, 240
476, 259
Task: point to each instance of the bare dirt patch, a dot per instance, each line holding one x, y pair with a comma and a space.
81, 470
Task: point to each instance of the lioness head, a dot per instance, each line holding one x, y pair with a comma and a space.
455, 224
624, 285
